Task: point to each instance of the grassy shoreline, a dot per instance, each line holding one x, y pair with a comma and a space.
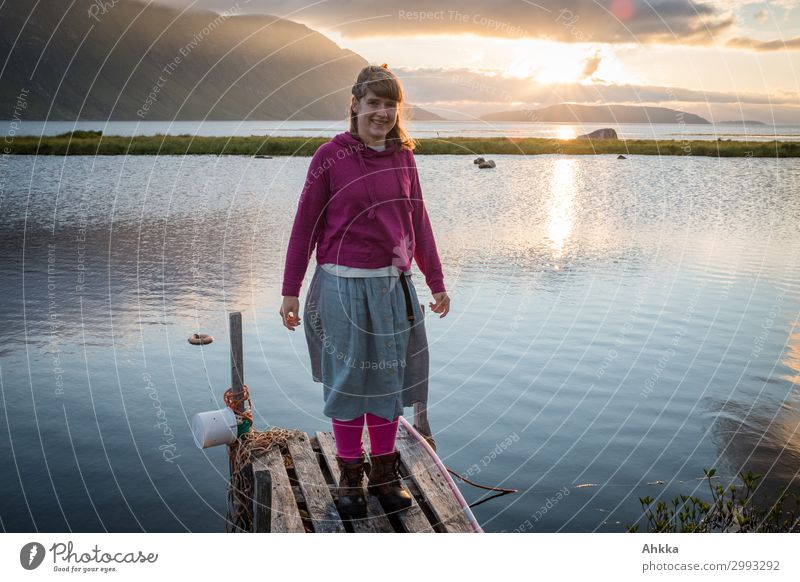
302, 146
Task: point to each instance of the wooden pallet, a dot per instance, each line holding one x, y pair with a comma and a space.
295, 492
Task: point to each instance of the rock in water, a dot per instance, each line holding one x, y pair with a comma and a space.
487, 164
621, 157
605, 133
478, 161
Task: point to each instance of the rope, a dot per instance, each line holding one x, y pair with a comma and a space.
501, 489
233, 401
432, 443
244, 419
240, 489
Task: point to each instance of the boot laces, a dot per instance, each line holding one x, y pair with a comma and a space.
396, 469
353, 475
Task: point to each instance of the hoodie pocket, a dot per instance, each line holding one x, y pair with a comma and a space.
405, 191
352, 199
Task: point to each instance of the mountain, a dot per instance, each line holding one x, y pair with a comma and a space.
130, 60
419, 114
571, 113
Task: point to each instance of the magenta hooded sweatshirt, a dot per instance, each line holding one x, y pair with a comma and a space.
361, 208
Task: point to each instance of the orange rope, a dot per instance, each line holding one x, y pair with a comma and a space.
233, 402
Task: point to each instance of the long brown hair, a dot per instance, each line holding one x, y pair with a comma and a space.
381, 81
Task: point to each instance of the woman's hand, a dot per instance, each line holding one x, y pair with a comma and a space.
289, 310
442, 304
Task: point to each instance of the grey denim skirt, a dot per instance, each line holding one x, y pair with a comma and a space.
368, 356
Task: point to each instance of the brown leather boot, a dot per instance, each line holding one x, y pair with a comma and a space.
384, 481
350, 489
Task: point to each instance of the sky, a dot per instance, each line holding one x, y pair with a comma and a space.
722, 60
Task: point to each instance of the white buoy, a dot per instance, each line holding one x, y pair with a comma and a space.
216, 427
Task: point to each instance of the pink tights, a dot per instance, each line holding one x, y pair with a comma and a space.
382, 436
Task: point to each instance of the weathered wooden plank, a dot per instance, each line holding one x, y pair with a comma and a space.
262, 501
285, 516
375, 521
413, 518
431, 483
321, 509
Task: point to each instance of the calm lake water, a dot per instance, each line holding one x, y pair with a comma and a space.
419, 129
616, 327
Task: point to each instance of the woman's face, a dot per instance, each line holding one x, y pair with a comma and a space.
376, 117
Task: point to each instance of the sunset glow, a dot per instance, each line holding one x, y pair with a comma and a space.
566, 133
725, 60
550, 63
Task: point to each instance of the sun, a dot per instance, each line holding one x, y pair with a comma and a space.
566, 133
551, 63
558, 63
557, 69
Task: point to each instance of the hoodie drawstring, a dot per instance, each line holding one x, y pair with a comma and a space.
368, 178
370, 191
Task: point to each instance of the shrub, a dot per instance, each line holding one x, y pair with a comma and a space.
730, 510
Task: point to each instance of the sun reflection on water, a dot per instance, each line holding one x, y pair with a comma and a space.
560, 215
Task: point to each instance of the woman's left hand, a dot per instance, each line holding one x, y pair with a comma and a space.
442, 304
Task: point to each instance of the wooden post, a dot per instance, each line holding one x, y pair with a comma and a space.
239, 499
237, 357
421, 423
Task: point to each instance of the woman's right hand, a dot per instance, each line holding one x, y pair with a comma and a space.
289, 312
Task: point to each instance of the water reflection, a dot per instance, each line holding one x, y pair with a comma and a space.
757, 427
762, 437
560, 216
634, 242
791, 358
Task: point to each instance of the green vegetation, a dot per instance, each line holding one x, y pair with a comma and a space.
82, 134
731, 509
90, 143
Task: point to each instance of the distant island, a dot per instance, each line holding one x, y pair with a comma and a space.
740, 122
573, 113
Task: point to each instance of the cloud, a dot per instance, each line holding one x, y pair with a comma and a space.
591, 66
427, 85
620, 21
764, 45
473, 92
761, 16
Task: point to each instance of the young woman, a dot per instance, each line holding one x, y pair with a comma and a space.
362, 208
